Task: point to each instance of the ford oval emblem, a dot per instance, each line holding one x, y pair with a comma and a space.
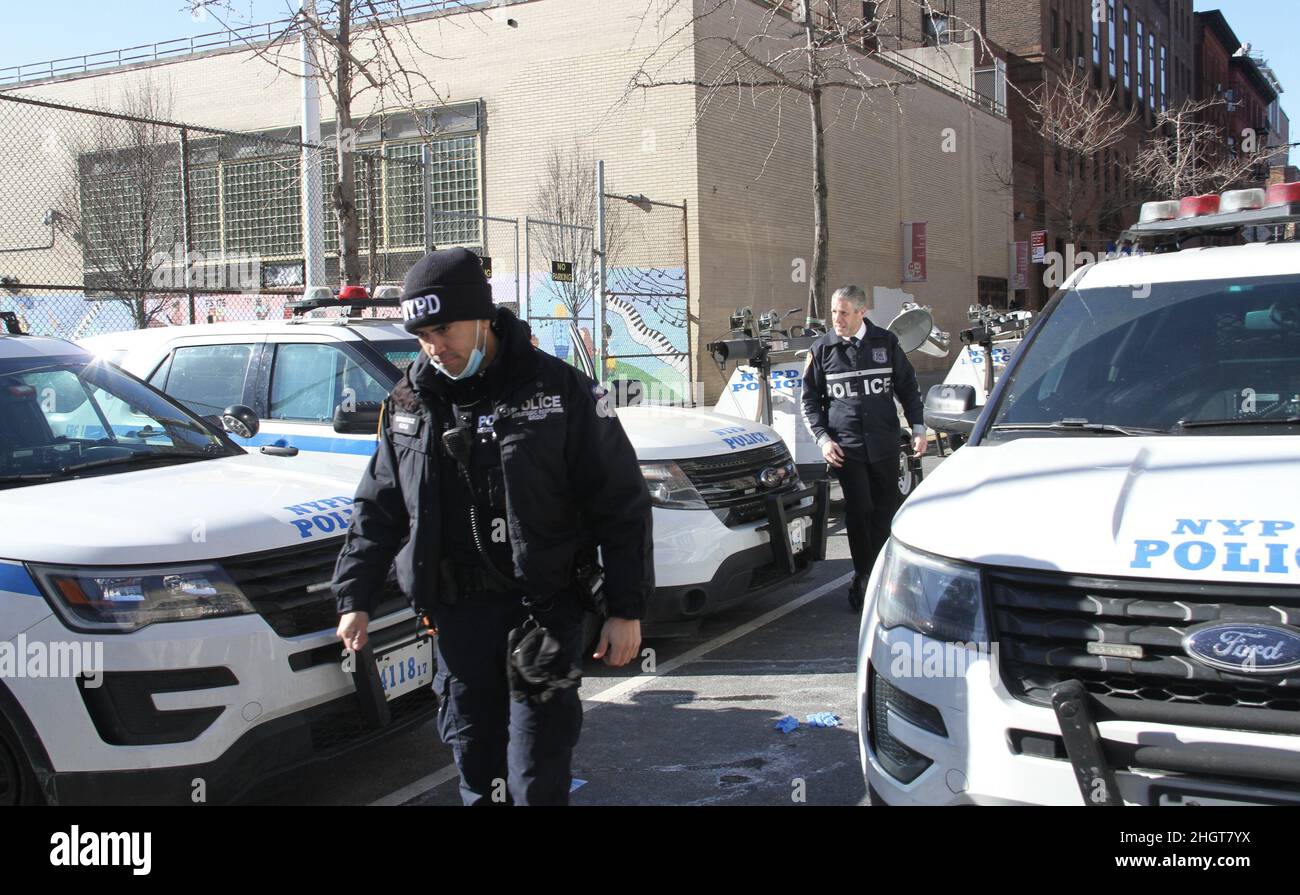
1245, 649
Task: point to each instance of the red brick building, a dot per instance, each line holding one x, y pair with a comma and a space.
1215, 44
1226, 72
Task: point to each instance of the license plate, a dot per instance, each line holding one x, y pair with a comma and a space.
406, 668
798, 529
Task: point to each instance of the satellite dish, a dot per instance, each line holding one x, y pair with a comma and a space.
915, 330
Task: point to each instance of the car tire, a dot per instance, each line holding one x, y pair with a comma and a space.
18, 784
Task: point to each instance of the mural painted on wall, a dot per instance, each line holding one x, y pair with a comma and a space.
73, 316
645, 309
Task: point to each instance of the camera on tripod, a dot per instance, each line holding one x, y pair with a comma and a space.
987, 323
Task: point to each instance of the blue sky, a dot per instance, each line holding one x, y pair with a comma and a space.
33, 31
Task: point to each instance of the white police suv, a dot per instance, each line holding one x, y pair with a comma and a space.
166, 623
1097, 600
720, 486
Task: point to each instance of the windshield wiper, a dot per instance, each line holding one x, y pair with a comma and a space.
1258, 421
25, 477
133, 459
1077, 425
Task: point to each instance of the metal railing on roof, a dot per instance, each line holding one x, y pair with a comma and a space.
943, 81
241, 36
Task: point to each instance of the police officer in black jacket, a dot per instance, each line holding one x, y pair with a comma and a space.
499, 472
853, 376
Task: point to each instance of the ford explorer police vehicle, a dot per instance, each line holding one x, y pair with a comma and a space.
166, 622
1122, 626
720, 486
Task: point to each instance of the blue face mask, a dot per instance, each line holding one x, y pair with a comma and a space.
475, 358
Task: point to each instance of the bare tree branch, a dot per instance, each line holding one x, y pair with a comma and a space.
773, 49
360, 47
1187, 156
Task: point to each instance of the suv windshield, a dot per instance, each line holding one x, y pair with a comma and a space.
64, 417
1220, 357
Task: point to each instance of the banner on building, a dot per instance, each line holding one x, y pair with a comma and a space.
1038, 246
914, 269
1019, 265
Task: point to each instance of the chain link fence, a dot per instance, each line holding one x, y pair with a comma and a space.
116, 221
125, 221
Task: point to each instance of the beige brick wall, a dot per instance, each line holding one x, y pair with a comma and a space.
557, 79
886, 164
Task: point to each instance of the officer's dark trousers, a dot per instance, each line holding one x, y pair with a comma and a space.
870, 500
507, 752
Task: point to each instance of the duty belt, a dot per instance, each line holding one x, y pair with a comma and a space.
467, 580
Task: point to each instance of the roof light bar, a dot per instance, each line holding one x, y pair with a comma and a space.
1195, 206
1282, 194
1241, 200
1158, 211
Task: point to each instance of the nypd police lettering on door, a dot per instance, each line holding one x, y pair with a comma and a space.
780, 379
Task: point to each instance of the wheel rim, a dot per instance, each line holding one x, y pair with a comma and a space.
904, 477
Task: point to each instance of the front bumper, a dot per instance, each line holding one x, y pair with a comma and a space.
702, 567
265, 752
223, 700
987, 747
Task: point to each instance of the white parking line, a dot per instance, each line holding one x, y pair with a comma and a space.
618, 691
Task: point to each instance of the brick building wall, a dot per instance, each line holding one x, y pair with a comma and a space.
1216, 43
1048, 40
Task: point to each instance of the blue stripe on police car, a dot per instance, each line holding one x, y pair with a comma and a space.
15, 580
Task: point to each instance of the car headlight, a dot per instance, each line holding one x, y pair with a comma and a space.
932, 596
121, 600
670, 488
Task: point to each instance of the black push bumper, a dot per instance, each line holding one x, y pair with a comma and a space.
1095, 760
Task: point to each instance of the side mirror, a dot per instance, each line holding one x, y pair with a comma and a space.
951, 409
364, 420
627, 392
240, 420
